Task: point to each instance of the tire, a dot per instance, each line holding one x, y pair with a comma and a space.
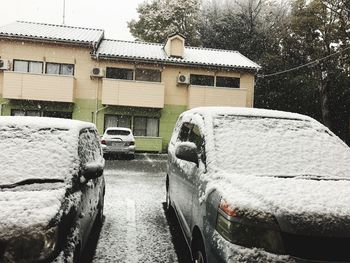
77, 253
167, 198
199, 252
99, 217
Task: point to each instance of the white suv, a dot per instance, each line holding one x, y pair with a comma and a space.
117, 140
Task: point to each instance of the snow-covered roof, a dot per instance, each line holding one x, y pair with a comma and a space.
254, 112
192, 55
58, 33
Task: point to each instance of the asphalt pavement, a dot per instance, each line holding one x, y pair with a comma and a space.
136, 227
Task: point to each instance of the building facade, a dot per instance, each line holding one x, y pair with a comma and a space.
71, 72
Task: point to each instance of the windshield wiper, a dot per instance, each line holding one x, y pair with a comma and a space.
31, 181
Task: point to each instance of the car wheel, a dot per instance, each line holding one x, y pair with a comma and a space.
100, 217
76, 255
199, 258
167, 198
198, 252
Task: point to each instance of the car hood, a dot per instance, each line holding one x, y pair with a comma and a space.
299, 204
29, 206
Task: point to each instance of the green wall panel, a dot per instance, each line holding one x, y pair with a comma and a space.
148, 144
170, 114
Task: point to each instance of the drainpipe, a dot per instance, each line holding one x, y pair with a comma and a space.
2, 104
97, 111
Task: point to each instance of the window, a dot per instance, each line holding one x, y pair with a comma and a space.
28, 66
202, 80
144, 126
151, 75
120, 73
39, 113
196, 137
60, 69
117, 121
36, 113
58, 114
227, 82
184, 132
118, 132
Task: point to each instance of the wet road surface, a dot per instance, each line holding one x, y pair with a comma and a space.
136, 227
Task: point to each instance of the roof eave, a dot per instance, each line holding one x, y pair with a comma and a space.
165, 62
47, 40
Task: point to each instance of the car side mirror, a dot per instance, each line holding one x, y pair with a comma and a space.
187, 151
93, 170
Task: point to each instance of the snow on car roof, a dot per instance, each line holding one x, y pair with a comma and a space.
44, 122
38, 148
252, 112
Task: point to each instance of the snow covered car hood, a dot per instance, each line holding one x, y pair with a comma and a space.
299, 204
29, 206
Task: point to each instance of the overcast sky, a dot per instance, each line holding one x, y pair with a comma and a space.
110, 15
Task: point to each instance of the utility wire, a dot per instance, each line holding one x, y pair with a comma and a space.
304, 65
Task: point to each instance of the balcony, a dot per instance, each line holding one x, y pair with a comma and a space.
215, 96
133, 93
28, 86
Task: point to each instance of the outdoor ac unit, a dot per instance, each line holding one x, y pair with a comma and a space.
183, 79
4, 64
97, 72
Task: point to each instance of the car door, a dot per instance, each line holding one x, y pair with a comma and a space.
179, 182
191, 177
89, 151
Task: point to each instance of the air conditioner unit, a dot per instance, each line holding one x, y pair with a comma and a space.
4, 64
98, 72
183, 79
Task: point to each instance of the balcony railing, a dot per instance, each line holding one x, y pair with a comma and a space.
216, 96
133, 93
28, 86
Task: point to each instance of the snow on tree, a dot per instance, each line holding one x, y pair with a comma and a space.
160, 18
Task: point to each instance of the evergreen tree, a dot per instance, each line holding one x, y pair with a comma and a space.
160, 18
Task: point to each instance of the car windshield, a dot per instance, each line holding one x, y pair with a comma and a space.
278, 147
118, 132
31, 153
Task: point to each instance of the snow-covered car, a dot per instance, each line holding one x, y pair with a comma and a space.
118, 140
51, 188
252, 185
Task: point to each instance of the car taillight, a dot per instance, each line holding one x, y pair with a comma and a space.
103, 142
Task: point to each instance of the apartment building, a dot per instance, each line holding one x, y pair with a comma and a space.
73, 72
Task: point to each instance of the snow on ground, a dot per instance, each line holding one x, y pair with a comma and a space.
135, 227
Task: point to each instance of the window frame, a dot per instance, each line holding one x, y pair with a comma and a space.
28, 62
148, 69
202, 75
60, 68
230, 87
118, 116
118, 68
147, 118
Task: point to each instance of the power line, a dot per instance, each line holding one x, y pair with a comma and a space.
304, 65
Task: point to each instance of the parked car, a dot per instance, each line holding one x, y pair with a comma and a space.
51, 188
117, 140
251, 185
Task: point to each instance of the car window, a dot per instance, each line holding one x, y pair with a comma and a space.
197, 138
184, 132
118, 132
89, 148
